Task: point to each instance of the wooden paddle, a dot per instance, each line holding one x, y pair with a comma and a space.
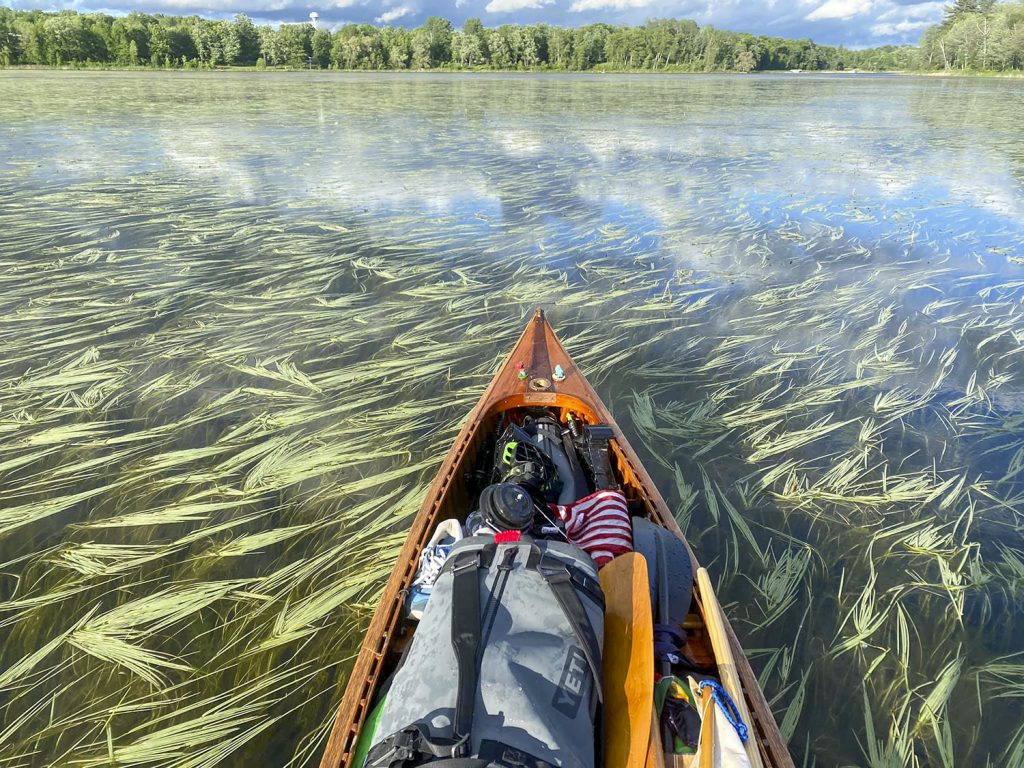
655, 754
714, 620
705, 702
628, 662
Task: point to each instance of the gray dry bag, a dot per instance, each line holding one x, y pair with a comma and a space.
505, 666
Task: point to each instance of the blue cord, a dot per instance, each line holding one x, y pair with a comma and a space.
727, 705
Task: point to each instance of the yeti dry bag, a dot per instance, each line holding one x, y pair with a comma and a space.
505, 667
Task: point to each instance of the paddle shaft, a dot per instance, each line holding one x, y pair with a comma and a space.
714, 620
664, 618
655, 750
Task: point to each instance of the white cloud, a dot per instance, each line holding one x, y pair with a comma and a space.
904, 19
618, 5
395, 13
522, 143
840, 9
932, 11
855, 23
510, 6
889, 29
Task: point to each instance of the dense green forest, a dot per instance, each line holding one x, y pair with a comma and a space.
976, 34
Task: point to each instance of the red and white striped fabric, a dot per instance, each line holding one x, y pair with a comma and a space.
599, 525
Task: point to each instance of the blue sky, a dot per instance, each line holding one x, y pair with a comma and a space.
855, 23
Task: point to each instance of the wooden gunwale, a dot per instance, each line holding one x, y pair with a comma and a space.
539, 351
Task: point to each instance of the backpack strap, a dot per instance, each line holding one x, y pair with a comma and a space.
413, 746
465, 642
563, 583
408, 747
493, 754
498, 754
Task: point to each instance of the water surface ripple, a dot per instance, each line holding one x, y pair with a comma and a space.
243, 315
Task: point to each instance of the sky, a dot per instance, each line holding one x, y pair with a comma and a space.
854, 23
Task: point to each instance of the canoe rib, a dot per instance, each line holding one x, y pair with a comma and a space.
539, 351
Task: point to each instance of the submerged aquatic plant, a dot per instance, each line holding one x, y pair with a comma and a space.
233, 358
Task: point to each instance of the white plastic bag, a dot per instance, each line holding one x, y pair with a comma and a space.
719, 744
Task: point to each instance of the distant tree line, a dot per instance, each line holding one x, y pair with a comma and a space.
976, 34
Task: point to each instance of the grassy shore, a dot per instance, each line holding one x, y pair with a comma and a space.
599, 69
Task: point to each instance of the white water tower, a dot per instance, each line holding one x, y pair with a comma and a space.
313, 17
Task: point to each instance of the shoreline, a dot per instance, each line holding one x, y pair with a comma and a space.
1007, 75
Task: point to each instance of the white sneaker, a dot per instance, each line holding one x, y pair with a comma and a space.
431, 559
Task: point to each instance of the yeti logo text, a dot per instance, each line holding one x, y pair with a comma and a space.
570, 688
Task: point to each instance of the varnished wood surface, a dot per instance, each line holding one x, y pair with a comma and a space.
656, 749
539, 350
627, 661
727, 671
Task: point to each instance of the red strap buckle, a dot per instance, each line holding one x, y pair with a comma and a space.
507, 537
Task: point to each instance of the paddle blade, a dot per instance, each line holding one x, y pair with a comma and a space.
628, 661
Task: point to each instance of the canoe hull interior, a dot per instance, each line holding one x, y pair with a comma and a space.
524, 381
